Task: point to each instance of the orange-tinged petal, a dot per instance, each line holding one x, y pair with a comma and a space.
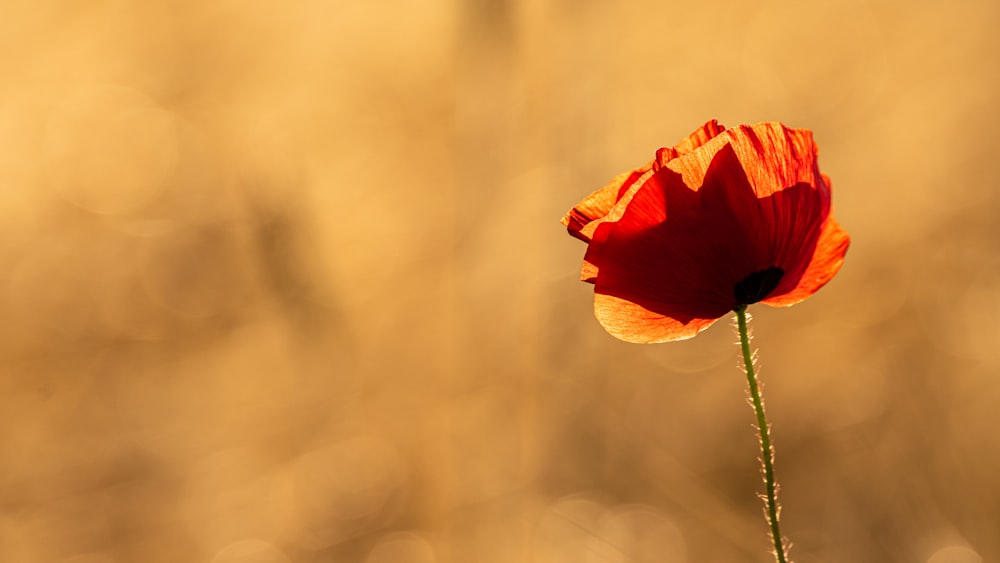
654, 255
699, 137
589, 271
826, 261
582, 220
632, 323
597, 205
772, 158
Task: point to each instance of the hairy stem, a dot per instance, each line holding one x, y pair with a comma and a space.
767, 452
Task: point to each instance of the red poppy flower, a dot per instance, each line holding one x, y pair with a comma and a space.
724, 219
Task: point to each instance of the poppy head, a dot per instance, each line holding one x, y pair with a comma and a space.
724, 219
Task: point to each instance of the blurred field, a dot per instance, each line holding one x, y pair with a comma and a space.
284, 282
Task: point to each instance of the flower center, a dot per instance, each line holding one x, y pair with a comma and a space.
757, 285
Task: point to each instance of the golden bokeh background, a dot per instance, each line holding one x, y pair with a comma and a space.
283, 282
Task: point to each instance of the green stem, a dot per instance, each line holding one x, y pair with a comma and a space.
767, 452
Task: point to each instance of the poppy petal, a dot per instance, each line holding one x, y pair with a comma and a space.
598, 204
589, 271
631, 322
775, 223
826, 261
582, 220
655, 255
699, 137
775, 157
793, 197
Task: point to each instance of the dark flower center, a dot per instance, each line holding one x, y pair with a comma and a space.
757, 285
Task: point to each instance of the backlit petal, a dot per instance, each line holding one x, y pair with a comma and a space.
777, 222
655, 254
589, 271
825, 262
632, 323
776, 157
699, 137
582, 220
578, 221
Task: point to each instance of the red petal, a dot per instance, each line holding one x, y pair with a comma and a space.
782, 163
582, 220
780, 218
598, 204
589, 271
825, 263
659, 256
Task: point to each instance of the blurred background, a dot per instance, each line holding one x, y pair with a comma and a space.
284, 282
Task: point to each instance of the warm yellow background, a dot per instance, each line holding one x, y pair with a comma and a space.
284, 282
